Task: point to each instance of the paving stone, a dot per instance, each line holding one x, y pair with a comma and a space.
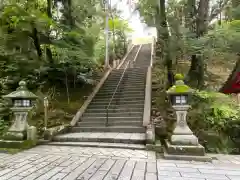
210, 166
55, 163
177, 169
115, 170
21, 164
99, 175
43, 159
127, 171
169, 173
138, 174
22, 157
5, 171
178, 178
151, 155
73, 165
92, 169
151, 176
233, 177
50, 173
39, 172
80, 169
16, 172
206, 176
170, 164
16, 178
140, 165
58, 176
220, 172
33, 169
107, 165
152, 167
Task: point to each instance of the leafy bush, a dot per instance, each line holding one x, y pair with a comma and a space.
215, 118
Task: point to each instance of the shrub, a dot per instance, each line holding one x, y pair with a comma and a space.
215, 118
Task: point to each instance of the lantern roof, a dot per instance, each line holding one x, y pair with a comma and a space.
21, 92
179, 87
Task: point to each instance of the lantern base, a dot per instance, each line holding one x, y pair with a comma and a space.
184, 139
196, 150
15, 135
187, 157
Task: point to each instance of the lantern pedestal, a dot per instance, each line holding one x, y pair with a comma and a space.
182, 134
18, 129
184, 144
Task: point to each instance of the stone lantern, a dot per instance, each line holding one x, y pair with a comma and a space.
22, 101
183, 143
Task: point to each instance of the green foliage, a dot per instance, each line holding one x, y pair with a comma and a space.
54, 48
3, 126
56, 45
215, 118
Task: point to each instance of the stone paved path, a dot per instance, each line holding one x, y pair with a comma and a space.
70, 163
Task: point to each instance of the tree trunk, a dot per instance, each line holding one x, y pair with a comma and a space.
196, 71
48, 50
36, 42
163, 42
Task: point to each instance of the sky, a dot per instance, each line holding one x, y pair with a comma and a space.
133, 18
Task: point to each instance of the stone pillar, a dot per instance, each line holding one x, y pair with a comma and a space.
32, 133
182, 134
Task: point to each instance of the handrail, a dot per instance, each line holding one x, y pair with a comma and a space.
106, 123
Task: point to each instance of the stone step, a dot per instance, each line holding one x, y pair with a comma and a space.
114, 106
126, 78
129, 93
124, 86
137, 98
100, 145
115, 118
124, 83
120, 89
116, 102
132, 76
110, 122
118, 96
119, 129
113, 114
123, 109
109, 137
129, 79
136, 71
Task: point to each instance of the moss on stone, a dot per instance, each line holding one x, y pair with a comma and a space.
14, 136
9, 150
178, 77
180, 86
51, 132
17, 144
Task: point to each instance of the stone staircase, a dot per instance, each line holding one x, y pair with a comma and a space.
125, 112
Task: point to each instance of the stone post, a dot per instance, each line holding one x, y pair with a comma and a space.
32, 133
183, 143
